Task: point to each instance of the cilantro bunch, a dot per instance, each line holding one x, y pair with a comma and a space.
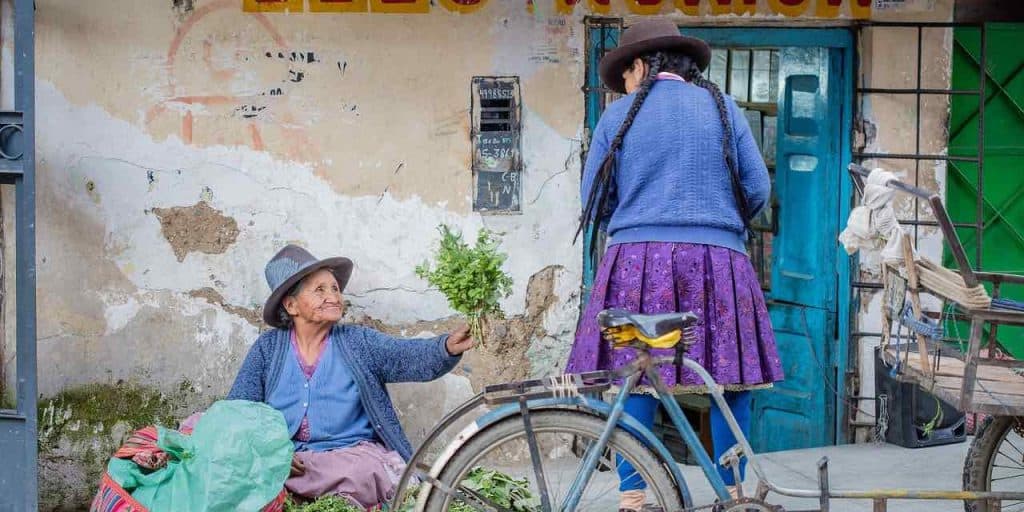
471, 278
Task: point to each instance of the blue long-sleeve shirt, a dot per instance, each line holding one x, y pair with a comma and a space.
372, 359
671, 180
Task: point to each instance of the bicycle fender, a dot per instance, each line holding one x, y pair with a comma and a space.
586, 405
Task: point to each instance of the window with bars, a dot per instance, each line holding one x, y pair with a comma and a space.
751, 77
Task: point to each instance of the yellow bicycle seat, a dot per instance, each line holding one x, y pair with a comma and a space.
656, 331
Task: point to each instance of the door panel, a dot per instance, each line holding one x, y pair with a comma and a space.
804, 270
1002, 182
796, 412
799, 412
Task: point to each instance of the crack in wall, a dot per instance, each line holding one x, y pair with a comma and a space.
252, 315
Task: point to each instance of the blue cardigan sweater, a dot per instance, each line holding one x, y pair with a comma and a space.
374, 358
671, 182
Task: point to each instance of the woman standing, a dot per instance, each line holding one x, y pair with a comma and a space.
674, 176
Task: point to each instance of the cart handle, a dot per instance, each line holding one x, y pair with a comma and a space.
859, 173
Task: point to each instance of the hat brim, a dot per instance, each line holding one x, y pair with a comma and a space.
615, 61
341, 268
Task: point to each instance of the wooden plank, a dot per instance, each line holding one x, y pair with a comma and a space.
1011, 402
953, 241
1008, 388
1002, 394
952, 367
971, 365
996, 409
915, 300
983, 401
1001, 363
1003, 316
886, 319
1000, 278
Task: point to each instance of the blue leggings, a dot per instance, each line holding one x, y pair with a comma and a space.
643, 409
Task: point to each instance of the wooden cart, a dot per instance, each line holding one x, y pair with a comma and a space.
974, 380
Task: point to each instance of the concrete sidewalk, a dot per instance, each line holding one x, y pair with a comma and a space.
852, 467
862, 467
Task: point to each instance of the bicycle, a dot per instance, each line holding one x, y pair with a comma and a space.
570, 408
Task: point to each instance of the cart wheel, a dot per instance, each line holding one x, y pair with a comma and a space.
995, 461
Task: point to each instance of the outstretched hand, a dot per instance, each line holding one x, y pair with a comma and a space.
459, 341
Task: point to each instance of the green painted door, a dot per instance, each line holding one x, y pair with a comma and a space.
1002, 241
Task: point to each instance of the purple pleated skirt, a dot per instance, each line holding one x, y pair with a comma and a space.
735, 342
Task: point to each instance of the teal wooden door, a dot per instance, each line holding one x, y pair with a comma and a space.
796, 251
799, 411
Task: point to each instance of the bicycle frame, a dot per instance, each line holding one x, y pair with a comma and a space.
517, 400
647, 366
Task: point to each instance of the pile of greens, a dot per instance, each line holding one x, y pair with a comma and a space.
500, 488
324, 504
496, 486
470, 278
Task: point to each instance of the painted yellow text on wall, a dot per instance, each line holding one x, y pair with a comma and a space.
791, 8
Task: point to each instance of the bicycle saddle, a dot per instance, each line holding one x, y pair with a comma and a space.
651, 326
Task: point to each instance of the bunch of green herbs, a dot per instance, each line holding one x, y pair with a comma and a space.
471, 278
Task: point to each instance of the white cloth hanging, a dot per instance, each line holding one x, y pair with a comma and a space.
873, 223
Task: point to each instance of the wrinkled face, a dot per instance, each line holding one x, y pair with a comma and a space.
634, 75
318, 299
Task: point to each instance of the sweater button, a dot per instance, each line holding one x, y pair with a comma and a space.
306, 385
305, 404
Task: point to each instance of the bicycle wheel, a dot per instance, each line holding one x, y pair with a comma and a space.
503, 447
995, 462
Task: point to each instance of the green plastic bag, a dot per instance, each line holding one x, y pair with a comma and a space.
237, 458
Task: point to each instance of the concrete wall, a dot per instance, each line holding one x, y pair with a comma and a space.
181, 143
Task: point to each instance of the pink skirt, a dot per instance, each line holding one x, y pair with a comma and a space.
366, 474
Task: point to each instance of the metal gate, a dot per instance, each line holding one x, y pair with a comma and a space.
972, 206
18, 422
1002, 221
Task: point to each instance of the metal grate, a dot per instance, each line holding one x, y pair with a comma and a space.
918, 91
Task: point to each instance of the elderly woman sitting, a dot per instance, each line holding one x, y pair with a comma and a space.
328, 380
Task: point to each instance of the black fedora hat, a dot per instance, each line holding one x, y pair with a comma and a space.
645, 37
288, 267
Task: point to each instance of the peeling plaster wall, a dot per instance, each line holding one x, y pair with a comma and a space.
180, 147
